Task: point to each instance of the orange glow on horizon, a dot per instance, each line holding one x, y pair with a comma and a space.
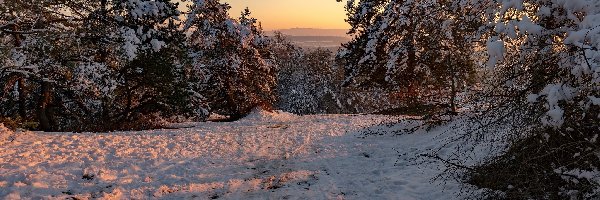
285, 14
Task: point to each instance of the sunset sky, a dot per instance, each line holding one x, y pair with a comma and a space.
284, 14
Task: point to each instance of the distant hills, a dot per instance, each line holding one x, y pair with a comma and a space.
314, 32
313, 38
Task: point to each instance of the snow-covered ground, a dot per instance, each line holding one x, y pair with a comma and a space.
264, 156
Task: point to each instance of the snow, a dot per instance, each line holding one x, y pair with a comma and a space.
581, 174
553, 94
5, 134
264, 156
594, 100
508, 4
18, 58
579, 37
258, 115
495, 50
130, 45
532, 98
157, 45
528, 26
554, 117
544, 11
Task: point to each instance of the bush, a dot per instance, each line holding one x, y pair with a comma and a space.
546, 165
8, 124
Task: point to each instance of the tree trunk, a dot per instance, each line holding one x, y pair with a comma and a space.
411, 66
21, 84
15, 29
45, 99
22, 98
453, 96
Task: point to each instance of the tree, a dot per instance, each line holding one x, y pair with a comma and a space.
76, 59
307, 81
541, 79
543, 66
37, 39
232, 58
397, 49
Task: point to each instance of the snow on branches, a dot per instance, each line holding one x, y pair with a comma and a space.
566, 32
231, 58
413, 48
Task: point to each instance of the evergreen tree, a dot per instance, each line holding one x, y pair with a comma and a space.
39, 47
411, 48
232, 58
307, 82
69, 63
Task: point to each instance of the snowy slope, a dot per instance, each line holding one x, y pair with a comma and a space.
265, 156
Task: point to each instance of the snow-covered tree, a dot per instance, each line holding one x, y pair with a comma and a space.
230, 58
38, 48
308, 83
541, 77
545, 53
411, 47
67, 63
544, 69
151, 84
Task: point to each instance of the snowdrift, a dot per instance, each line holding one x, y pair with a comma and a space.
260, 115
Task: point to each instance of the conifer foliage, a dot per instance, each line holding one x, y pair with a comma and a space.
539, 67
128, 64
232, 57
411, 47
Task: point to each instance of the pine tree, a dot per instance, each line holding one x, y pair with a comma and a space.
232, 57
307, 82
39, 49
412, 48
73, 65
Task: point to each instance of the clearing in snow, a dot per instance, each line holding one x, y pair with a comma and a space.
264, 156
